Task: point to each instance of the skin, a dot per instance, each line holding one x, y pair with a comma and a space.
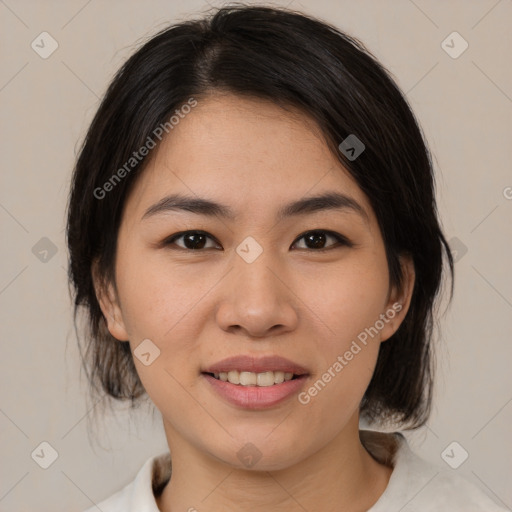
202, 306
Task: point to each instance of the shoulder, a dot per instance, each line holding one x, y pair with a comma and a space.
420, 486
118, 502
139, 495
454, 492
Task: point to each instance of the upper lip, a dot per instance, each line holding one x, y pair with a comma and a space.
247, 363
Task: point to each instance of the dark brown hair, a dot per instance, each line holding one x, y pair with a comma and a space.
293, 60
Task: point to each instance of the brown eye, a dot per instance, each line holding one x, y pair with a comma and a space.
316, 240
192, 240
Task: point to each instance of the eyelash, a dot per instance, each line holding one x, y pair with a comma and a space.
342, 240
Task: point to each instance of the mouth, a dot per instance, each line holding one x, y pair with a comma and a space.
255, 383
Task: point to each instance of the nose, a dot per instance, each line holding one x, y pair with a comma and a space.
257, 300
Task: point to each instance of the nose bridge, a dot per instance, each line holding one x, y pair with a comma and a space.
258, 299
256, 280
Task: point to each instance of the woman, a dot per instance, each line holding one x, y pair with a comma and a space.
253, 236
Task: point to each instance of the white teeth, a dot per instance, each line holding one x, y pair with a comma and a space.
278, 377
262, 379
265, 379
234, 377
248, 379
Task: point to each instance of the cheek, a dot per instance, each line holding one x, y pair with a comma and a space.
156, 297
349, 306
346, 357
350, 297
333, 397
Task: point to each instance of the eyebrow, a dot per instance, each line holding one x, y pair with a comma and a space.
308, 205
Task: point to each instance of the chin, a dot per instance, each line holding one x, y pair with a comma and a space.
260, 453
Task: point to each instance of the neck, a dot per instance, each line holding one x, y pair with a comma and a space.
340, 476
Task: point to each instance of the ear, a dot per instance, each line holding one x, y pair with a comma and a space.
399, 299
110, 307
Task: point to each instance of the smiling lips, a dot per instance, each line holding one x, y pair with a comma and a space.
255, 383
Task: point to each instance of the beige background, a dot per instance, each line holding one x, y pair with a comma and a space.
465, 108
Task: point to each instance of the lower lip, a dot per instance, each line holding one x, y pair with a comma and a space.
255, 397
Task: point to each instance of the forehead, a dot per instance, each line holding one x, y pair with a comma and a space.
246, 153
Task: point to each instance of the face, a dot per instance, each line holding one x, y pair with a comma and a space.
281, 285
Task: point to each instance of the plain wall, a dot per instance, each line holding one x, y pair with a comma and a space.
464, 105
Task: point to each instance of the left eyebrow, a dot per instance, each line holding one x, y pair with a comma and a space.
308, 205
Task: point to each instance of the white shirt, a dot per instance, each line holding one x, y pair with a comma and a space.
415, 485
